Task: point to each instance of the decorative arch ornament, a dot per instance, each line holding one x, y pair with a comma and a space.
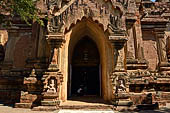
61, 19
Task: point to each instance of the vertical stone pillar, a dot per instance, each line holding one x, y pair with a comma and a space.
53, 77
135, 54
161, 44
55, 42
138, 38
131, 41
119, 77
162, 41
118, 43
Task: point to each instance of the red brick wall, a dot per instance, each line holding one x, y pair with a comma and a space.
150, 49
23, 50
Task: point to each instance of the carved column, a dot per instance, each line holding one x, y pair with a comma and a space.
131, 40
119, 77
53, 77
55, 42
162, 41
135, 55
118, 43
161, 44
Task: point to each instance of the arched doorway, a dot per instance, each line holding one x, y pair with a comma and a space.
86, 28
85, 78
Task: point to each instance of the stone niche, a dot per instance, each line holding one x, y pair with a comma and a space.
50, 96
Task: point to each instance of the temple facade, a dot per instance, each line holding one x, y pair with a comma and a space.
118, 50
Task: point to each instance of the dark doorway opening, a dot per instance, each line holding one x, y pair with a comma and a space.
85, 78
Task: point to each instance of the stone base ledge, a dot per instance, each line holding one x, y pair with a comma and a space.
123, 96
45, 108
23, 105
125, 109
123, 103
50, 103
50, 95
164, 68
86, 107
136, 66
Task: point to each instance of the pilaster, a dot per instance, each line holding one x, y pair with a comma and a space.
52, 78
119, 79
118, 43
162, 41
135, 55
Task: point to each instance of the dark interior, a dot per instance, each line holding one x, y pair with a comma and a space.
85, 68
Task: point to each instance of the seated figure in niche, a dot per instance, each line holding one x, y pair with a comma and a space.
51, 85
121, 87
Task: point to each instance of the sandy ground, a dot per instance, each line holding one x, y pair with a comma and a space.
7, 109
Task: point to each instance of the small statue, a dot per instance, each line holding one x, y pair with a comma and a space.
115, 23
54, 4
33, 73
56, 24
121, 87
51, 86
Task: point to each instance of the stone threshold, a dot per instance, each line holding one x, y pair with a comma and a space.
86, 111
87, 107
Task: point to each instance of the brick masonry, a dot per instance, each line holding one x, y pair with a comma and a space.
132, 38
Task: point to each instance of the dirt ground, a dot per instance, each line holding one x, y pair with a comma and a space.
7, 109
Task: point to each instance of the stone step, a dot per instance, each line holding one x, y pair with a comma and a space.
86, 111
45, 108
87, 107
1, 104
74, 107
125, 108
23, 105
50, 103
123, 102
